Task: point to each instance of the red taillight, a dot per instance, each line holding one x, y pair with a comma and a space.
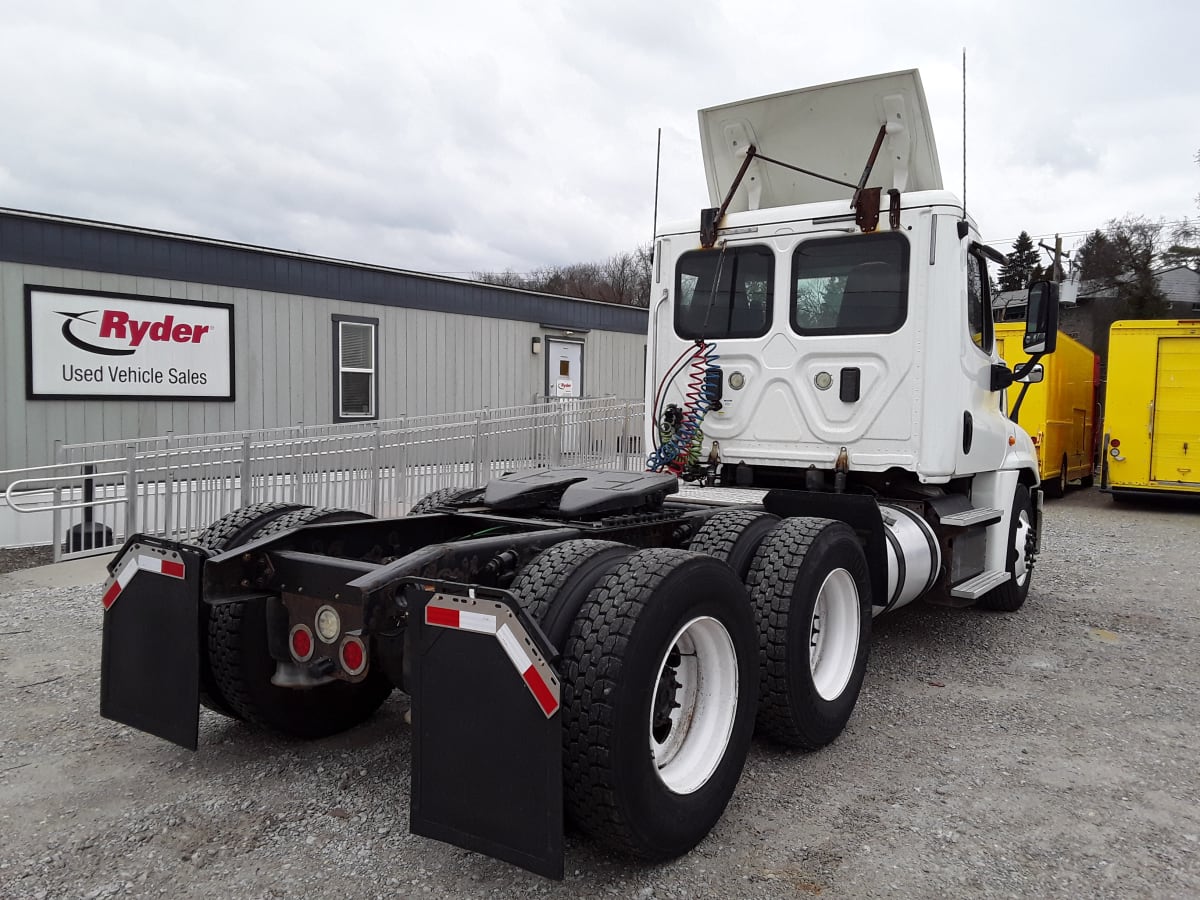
353, 655
302, 643
1114, 443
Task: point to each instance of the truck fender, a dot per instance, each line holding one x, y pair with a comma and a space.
996, 490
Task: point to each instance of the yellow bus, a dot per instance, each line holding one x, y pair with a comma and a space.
1060, 413
1152, 408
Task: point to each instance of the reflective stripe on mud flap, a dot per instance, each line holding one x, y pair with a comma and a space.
170, 565
465, 614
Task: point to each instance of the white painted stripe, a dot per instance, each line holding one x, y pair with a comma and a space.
513, 648
127, 573
470, 621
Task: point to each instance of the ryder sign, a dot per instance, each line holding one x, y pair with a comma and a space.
82, 344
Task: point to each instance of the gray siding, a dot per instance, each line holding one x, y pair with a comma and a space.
429, 362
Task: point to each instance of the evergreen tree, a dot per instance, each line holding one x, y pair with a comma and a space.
1023, 265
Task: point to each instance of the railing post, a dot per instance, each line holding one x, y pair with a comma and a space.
168, 505
556, 450
246, 476
623, 448
56, 524
130, 490
376, 472
476, 454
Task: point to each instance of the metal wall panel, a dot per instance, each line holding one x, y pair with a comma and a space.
429, 361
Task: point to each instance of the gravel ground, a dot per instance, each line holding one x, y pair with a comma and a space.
25, 558
1053, 753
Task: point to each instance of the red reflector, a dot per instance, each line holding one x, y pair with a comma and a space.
541, 692
174, 569
354, 655
110, 596
1114, 442
436, 615
302, 644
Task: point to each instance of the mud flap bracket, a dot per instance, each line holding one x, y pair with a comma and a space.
150, 657
486, 726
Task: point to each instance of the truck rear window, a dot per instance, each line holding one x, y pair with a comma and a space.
724, 293
850, 285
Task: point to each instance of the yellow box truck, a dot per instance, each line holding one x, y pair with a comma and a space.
1152, 408
1061, 412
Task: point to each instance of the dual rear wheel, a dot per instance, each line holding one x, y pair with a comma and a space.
668, 657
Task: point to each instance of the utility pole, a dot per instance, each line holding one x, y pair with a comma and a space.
1059, 256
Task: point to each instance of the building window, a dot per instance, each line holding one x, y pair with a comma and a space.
355, 351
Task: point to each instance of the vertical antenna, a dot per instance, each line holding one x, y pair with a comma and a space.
657, 161
964, 89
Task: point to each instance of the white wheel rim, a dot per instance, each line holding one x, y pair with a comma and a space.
1020, 539
833, 634
698, 678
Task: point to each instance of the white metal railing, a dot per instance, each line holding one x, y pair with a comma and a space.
174, 485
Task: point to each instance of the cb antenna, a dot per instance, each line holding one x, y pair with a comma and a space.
964, 93
657, 162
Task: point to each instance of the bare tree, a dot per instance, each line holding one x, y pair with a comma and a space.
622, 278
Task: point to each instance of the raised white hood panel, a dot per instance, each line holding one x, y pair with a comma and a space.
828, 129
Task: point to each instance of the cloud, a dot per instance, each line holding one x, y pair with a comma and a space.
466, 136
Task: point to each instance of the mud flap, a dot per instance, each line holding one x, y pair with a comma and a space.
150, 661
486, 726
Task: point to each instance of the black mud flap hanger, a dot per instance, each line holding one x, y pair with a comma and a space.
486, 725
150, 657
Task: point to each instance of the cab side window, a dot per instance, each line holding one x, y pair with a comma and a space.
979, 302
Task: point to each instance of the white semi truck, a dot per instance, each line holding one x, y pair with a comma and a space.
601, 646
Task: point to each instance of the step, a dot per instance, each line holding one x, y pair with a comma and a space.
974, 588
970, 517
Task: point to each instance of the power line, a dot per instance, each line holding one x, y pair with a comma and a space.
1083, 233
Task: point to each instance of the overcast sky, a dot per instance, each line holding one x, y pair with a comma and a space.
455, 137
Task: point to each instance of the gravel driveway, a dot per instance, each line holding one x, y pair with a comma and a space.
1052, 752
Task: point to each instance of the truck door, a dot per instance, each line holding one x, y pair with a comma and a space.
1175, 422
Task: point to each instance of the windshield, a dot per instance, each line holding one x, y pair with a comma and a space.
724, 293
850, 285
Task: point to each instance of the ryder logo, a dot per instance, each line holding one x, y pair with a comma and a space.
117, 325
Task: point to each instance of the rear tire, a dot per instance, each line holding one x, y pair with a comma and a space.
811, 591
734, 536
242, 664
554, 586
659, 683
227, 532
1010, 596
434, 501
1057, 486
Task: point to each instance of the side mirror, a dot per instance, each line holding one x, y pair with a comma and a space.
1041, 318
1033, 376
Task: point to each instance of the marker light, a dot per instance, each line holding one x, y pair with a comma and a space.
1115, 443
329, 624
353, 655
301, 643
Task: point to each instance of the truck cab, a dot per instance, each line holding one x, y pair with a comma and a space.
844, 347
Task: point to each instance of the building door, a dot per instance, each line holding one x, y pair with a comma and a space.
564, 368
564, 382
